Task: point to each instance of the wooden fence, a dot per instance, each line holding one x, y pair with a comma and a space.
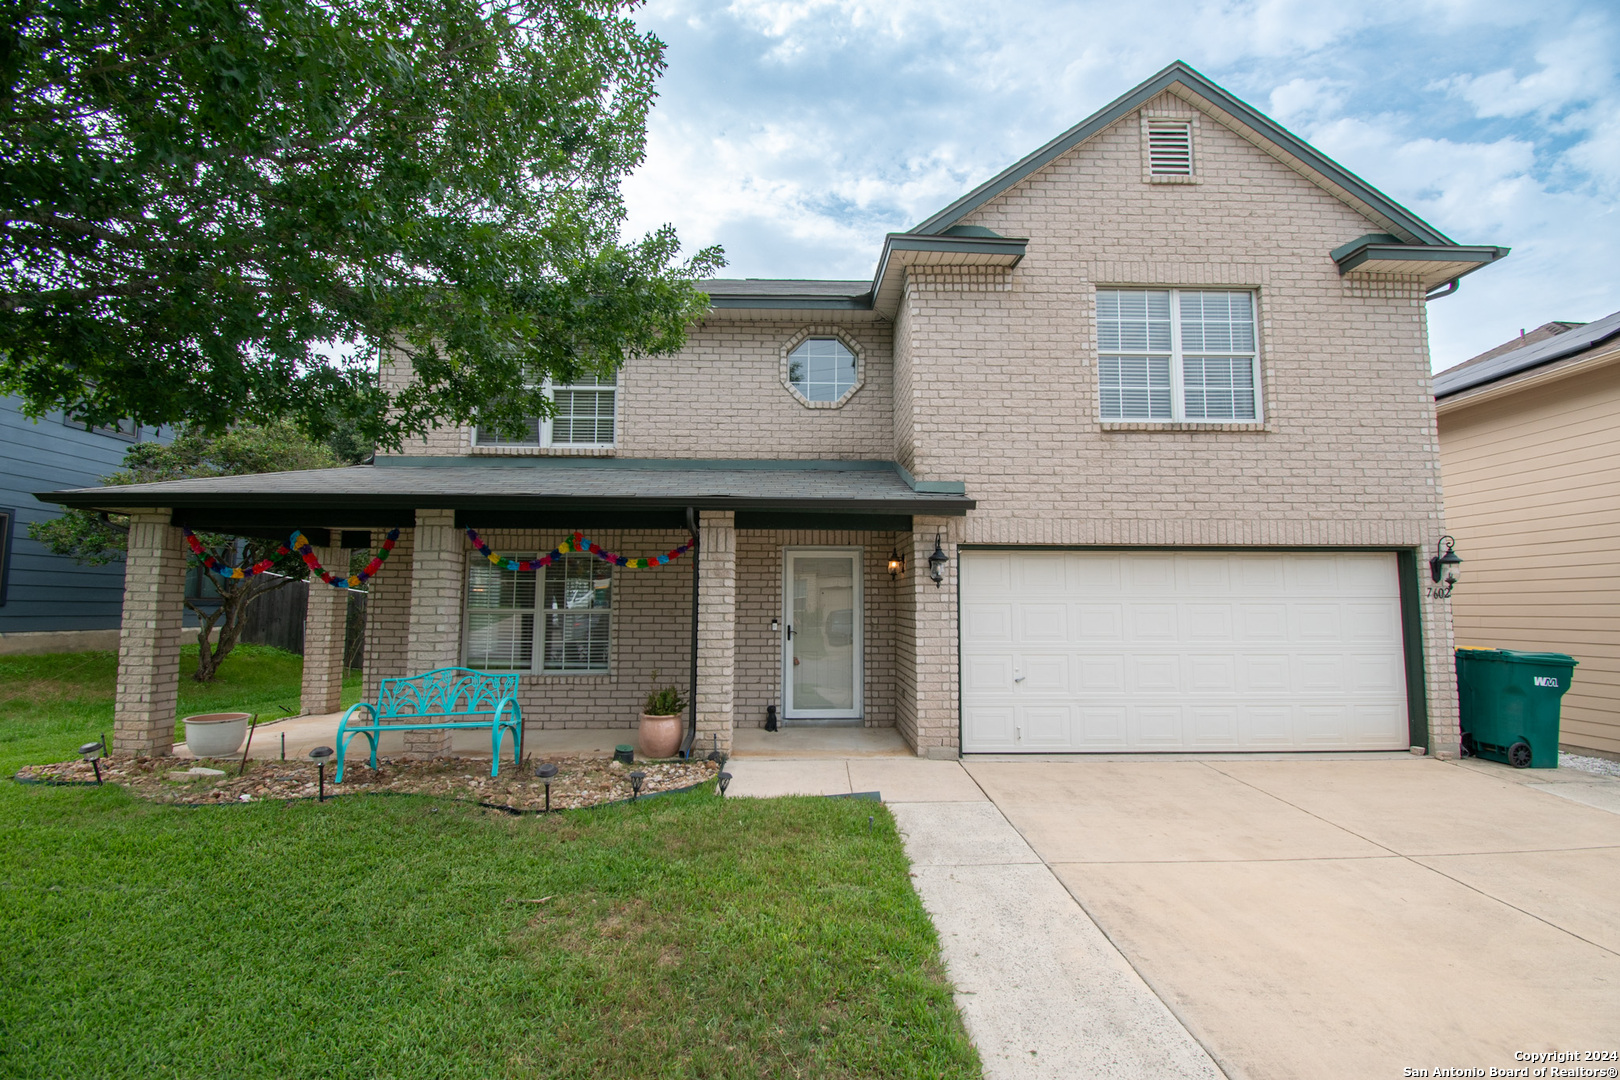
277, 618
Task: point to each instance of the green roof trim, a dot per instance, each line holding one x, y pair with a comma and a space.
1480, 255
1181, 73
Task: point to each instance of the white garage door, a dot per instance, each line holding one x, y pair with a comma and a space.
1181, 650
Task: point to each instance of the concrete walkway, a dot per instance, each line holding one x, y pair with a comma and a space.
1321, 916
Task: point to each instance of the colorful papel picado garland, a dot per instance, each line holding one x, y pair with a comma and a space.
300, 545
306, 552
578, 543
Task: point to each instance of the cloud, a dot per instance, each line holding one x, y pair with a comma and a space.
797, 132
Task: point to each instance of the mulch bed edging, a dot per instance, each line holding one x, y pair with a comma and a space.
580, 782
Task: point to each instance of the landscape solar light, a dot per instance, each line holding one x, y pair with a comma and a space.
319, 756
546, 771
635, 784
91, 752
937, 561
725, 782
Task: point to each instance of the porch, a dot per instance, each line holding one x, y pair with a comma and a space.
470, 584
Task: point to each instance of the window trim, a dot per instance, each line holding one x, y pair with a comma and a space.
544, 427
8, 521
1178, 403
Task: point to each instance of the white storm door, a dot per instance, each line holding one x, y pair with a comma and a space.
821, 643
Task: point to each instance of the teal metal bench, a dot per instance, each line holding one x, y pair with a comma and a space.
442, 699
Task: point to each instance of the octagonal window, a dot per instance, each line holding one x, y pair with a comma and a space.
821, 369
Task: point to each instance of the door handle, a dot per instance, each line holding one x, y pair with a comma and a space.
1018, 678
790, 631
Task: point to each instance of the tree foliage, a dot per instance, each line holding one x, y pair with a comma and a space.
198, 198
97, 539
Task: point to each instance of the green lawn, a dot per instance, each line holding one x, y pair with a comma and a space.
687, 936
51, 705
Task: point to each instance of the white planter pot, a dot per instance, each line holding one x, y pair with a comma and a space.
215, 735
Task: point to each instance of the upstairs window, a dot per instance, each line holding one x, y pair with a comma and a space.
1177, 354
1170, 147
821, 369
584, 418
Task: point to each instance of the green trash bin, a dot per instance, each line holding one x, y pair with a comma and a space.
1510, 703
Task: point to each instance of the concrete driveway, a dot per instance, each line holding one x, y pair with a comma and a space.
1343, 917
1311, 916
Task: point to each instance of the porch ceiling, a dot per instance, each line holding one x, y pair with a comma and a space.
387, 492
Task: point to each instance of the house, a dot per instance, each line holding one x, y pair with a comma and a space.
1530, 456
50, 603
1130, 448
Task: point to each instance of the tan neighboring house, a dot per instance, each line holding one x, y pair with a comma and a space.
1530, 451
1155, 399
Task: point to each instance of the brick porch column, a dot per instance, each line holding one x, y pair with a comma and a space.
438, 578
149, 639
932, 665
717, 630
324, 619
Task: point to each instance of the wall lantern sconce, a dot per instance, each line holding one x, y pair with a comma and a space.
937, 561
1443, 567
897, 563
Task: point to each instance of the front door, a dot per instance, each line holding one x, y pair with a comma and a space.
821, 661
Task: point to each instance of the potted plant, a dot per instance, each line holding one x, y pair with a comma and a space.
660, 732
216, 735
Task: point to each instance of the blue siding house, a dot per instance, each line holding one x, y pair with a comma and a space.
49, 603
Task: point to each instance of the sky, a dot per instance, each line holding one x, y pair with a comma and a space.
796, 133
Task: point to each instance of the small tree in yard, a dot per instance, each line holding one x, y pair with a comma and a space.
95, 539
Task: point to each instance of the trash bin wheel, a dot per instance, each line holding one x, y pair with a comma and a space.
1468, 745
1519, 755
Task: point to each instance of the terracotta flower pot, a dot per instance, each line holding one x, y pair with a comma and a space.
215, 735
659, 736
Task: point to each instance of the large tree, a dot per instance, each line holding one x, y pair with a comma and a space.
216, 210
96, 539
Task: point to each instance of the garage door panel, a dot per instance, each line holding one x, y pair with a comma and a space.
1102, 727
1040, 575
1267, 727
1101, 674
1317, 622
1161, 651
1209, 622
1211, 673
1262, 622
1150, 623
1157, 727
1043, 622
1046, 727
1377, 622
987, 673
986, 623
988, 726
1214, 728
1045, 674
1264, 673
1154, 674
1101, 622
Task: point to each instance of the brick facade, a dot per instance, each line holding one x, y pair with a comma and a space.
990, 377
324, 617
149, 641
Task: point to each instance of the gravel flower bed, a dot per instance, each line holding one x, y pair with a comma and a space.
579, 782
1601, 766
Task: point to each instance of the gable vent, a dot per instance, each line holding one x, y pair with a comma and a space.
1170, 148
